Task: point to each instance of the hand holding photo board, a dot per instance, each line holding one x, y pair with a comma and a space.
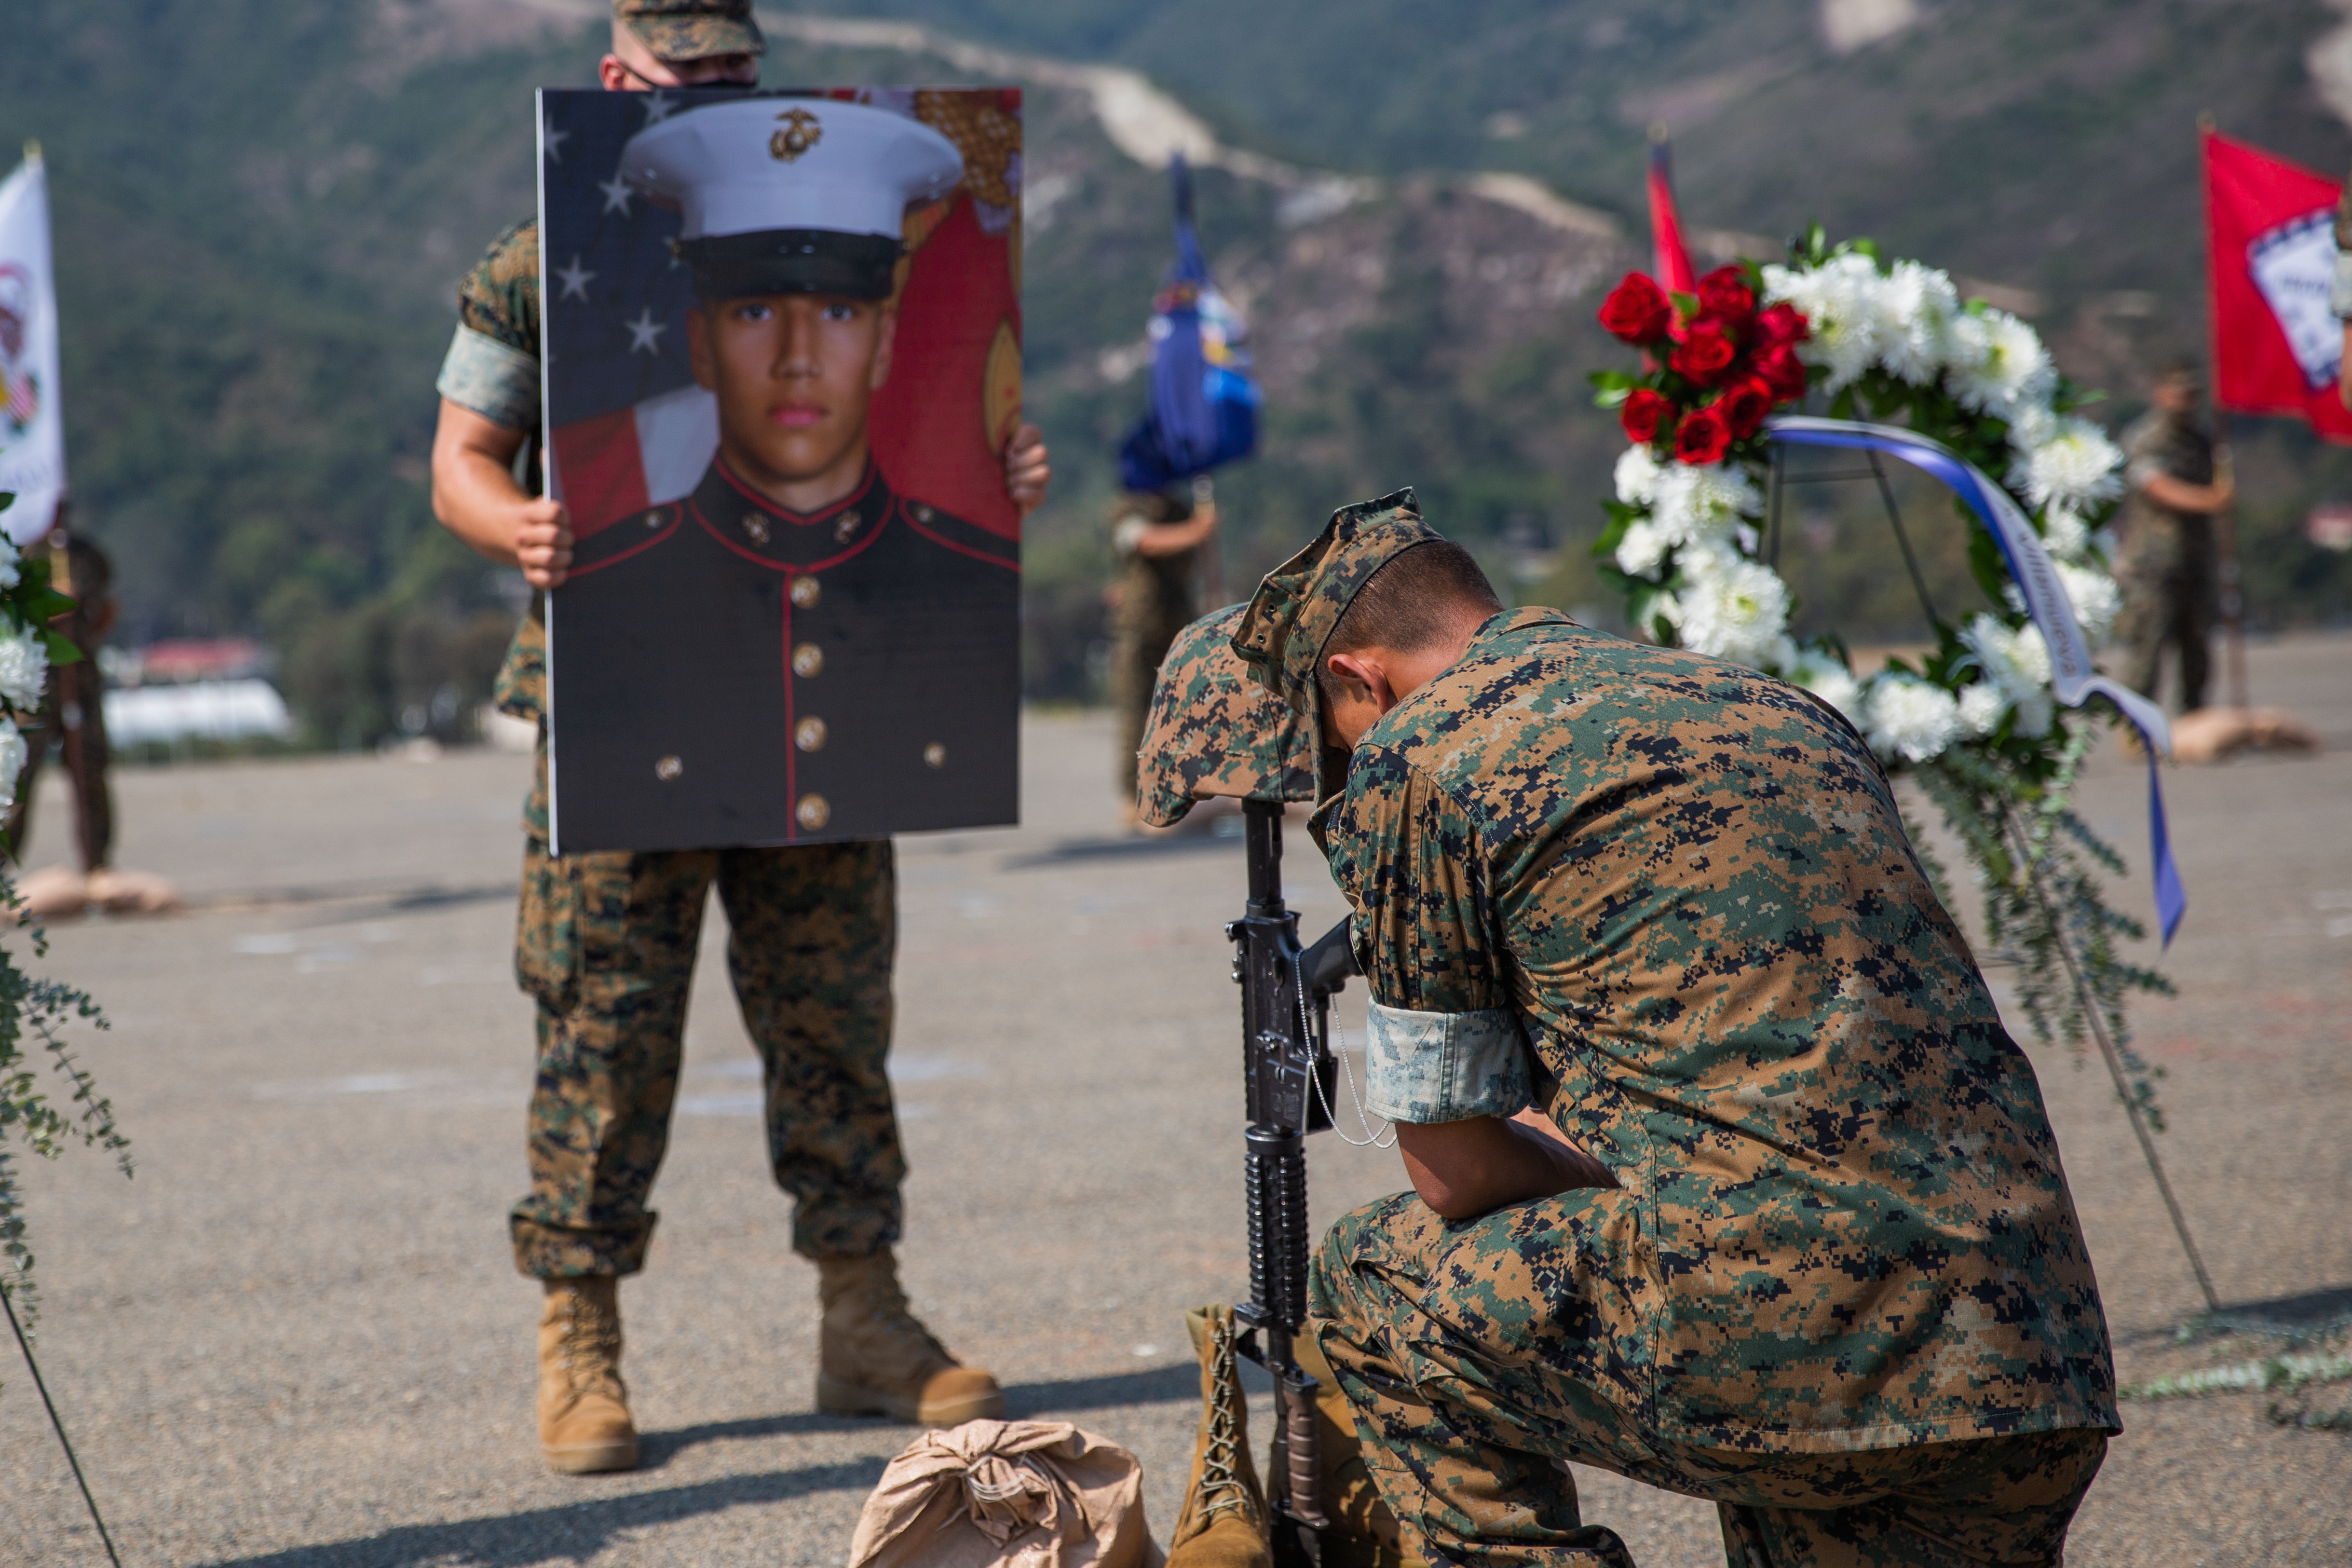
782, 366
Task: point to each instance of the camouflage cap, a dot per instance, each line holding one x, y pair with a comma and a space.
1214, 731
691, 29
1285, 625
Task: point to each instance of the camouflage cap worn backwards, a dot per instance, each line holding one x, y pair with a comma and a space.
691, 29
1213, 730
1291, 617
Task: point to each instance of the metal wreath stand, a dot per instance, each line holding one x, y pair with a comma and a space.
1876, 471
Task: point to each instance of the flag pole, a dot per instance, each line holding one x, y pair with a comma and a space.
2225, 521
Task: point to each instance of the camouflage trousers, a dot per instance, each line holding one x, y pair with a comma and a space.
1468, 1420
606, 943
2166, 607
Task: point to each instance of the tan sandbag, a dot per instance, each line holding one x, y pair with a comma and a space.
2210, 734
1007, 1494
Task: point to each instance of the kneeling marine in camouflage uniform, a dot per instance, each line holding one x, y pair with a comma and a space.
1820, 1264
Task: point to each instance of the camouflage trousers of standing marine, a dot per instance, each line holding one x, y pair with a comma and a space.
606, 942
1468, 1420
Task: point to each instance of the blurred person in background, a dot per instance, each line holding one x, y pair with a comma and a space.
2165, 566
1158, 537
73, 721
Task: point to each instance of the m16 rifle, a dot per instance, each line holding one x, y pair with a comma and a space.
1288, 1069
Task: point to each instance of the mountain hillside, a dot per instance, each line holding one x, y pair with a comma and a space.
263, 208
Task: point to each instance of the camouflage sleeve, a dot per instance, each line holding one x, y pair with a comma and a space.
1444, 1041
500, 299
492, 365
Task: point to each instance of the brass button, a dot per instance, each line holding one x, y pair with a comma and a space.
809, 735
846, 526
668, 768
757, 526
812, 813
935, 754
808, 660
922, 513
653, 519
805, 592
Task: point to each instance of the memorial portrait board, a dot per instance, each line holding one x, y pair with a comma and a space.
782, 365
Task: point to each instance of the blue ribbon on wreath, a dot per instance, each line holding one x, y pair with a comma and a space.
2072, 675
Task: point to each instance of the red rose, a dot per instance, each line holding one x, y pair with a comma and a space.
1725, 293
1743, 405
1781, 324
1779, 368
1705, 351
1703, 436
1637, 311
1643, 411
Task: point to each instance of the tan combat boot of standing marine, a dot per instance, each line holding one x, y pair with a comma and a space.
583, 1405
1224, 1524
876, 1359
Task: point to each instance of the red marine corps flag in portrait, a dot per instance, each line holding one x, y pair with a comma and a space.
2270, 229
783, 337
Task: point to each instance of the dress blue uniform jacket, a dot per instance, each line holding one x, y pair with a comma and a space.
723, 672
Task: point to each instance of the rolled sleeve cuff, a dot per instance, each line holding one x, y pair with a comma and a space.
1421, 1068
2339, 295
498, 382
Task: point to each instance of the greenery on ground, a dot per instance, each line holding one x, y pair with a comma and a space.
262, 207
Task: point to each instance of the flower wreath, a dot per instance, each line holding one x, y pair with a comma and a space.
1974, 722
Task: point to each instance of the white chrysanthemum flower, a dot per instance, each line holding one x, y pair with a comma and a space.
2097, 599
1637, 477
1643, 549
2076, 464
2031, 424
1705, 502
1920, 303
1981, 707
1911, 719
1845, 302
2064, 534
1736, 611
24, 671
1998, 364
11, 761
10, 575
2019, 663
1666, 607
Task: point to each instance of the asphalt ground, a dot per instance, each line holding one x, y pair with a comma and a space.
296, 1337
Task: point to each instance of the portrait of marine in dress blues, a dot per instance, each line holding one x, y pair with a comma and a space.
783, 367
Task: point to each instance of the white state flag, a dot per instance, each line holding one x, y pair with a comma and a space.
32, 424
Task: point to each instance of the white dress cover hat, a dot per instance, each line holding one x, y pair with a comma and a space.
791, 194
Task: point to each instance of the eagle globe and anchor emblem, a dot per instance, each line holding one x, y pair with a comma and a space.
799, 132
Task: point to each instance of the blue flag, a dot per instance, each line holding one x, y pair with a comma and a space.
1204, 409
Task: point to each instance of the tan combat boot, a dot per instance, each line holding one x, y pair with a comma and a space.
1224, 1524
875, 1359
583, 1405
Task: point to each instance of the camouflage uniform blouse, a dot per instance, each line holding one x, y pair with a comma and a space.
1842, 1221
493, 368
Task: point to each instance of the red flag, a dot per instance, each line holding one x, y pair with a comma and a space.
1674, 273
2270, 229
